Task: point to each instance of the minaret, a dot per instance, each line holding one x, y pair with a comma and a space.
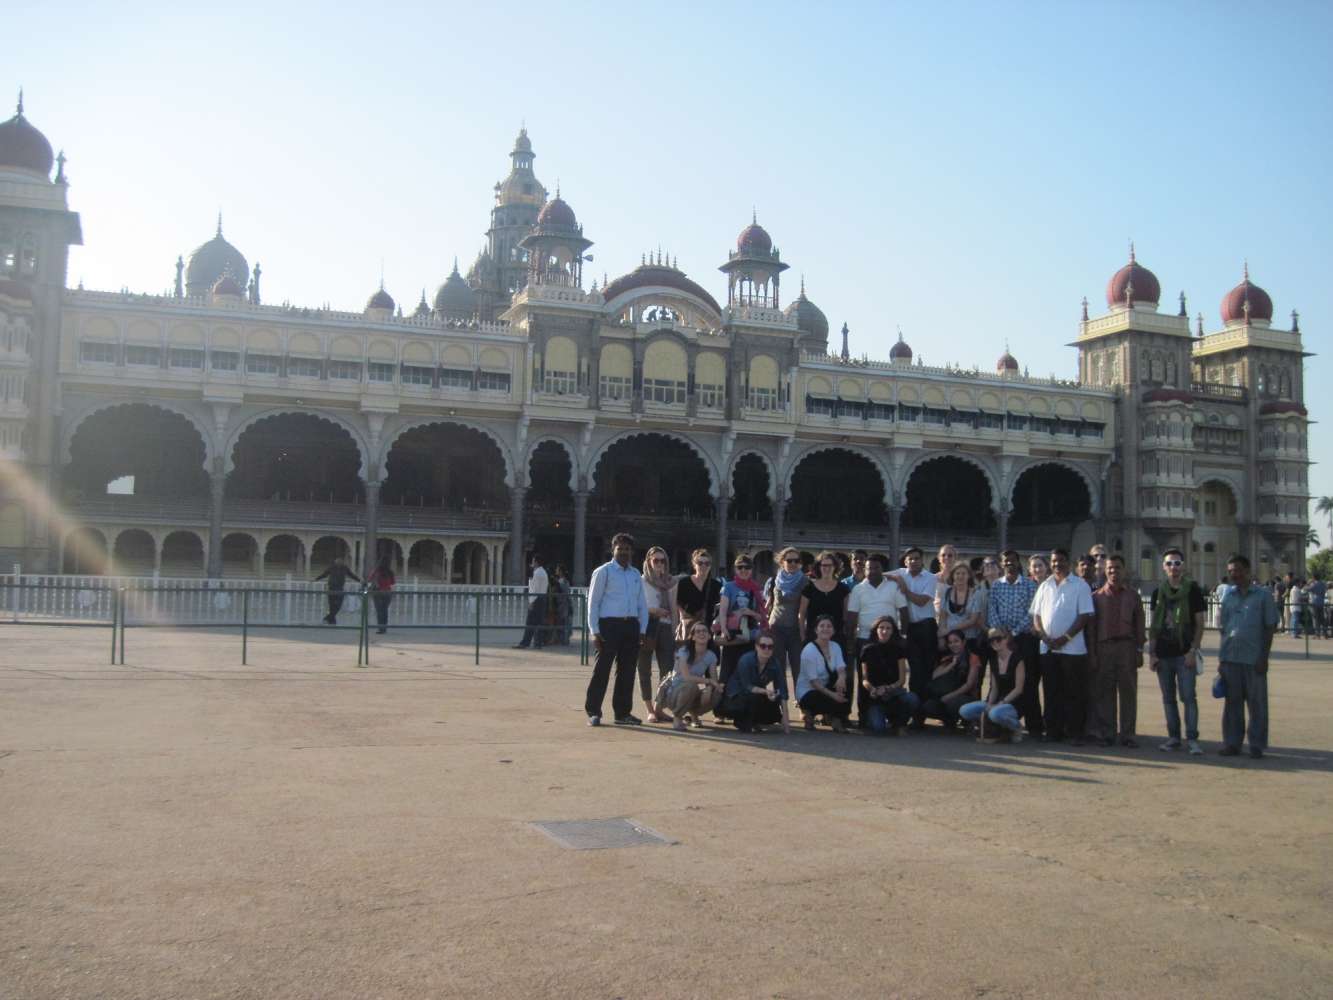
518, 200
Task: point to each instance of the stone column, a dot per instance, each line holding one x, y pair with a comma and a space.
779, 522
895, 535
1002, 518
370, 547
217, 486
581, 538
720, 557
517, 495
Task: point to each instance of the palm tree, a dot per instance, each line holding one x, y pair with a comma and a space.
1324, 505
1311, 538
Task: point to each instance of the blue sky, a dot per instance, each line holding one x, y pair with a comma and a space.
966, 172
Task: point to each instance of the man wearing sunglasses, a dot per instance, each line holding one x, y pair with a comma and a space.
1174, 635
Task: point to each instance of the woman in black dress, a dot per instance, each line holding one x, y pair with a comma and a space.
697, 595
824, 595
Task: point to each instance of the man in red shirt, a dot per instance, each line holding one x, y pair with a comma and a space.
1116, 654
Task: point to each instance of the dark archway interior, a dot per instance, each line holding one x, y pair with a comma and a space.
549, 471
446, 465
950, 495
837, 487
296, 456
161, 450
652, 474
749, 491
1049, 493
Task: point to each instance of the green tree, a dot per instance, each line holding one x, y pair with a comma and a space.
1311, 538
1320, 564
1324, 505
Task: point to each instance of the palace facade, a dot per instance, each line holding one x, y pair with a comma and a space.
206, 432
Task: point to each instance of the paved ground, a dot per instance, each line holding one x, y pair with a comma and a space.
186, 827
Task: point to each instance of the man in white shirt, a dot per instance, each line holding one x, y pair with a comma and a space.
922, 635
534, 629
873, 597
1061, 610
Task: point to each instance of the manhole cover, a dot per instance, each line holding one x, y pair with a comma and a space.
596, 834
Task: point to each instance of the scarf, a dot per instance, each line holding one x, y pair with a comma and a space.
790, 584
1172, 609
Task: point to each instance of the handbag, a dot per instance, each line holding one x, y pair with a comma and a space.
1220, 685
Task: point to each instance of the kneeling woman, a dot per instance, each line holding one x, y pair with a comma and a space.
887, 704
821, 688
756, 691
1006, 688
694, 687
955, 682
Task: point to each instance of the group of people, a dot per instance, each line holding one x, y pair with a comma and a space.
1051, 647
1302, 605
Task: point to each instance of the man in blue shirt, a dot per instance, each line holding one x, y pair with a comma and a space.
1318, 591
1010, 607
1248, 620
618, 621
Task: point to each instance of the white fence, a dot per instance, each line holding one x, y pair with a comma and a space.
28, 597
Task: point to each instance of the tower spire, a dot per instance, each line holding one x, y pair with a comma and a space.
219, 222
19, 109
1131, 251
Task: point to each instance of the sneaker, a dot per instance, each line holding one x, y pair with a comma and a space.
1172, 744
1129, 741
696, 722
1229, 752
1195, 749
1256, 753
1016, 736
594, 720
628, 720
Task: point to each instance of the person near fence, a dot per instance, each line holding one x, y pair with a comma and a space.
560, 600
618, 622
887, 703
822, 688
694, 687
337, 575
955, 681
1115, 656
1061, 612
1007, 679
755, 695
783, 594
659, 593
1175, 632
380, 584
1010, 608
539, 588
1249, 620
697, 595
1318, 591
919, 586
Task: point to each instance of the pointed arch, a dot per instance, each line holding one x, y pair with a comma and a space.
770, 466
358, 439
569, 448
790, 472
97, 406
1091, 484
1232, 481
390, 438
689, 442
992, 480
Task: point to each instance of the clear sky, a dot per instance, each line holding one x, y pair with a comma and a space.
967, 172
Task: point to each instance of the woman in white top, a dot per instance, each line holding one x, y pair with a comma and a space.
821, 688
961, 605
695, 688
659, 594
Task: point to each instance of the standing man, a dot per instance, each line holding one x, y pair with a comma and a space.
1249, 619
618, 621
534, 629
1116, 656
337, 575
1318, 590
1061, 610
874, 596
1010, 608
1178, 611
923, 644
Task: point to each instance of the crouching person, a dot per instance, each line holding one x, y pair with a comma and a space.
822, 688
889, 705
756, 691
694, 688
1006, 689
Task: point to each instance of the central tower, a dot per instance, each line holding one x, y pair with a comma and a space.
502, 270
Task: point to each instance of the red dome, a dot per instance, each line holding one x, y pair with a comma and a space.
24, 147
556, 214
16, 290
1146, 286
900, 350
380, 300
227, 285
1006, 363
1233, 303
754, 239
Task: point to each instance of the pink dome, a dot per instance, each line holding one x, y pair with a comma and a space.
1146, 287
754, 239
1006, 363
900, 351
1233, 303
23, 146
556, 214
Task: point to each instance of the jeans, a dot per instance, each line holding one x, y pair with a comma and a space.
895, 710
1172, 674
381, 601
1001, 713
787, 648
1246, 690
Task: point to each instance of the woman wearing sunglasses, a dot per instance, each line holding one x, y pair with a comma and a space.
697, 595
1006, 690
659, 594
739, 615
889, 705
822, 688
784, 596
694, 688
756, 692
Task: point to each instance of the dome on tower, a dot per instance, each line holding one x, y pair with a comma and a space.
228, 285
556, 214
810, 319
455, 299
754, 239
23, 147
1145, 287
1006, 363
900, 351
523, 144
380, 300
210, 261
1233, 303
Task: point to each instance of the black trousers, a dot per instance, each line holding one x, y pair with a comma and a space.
382, 608
923, 652
335, 605
1029, 702
534, 627
752, 710
620, 644
1065, 679
819, 703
